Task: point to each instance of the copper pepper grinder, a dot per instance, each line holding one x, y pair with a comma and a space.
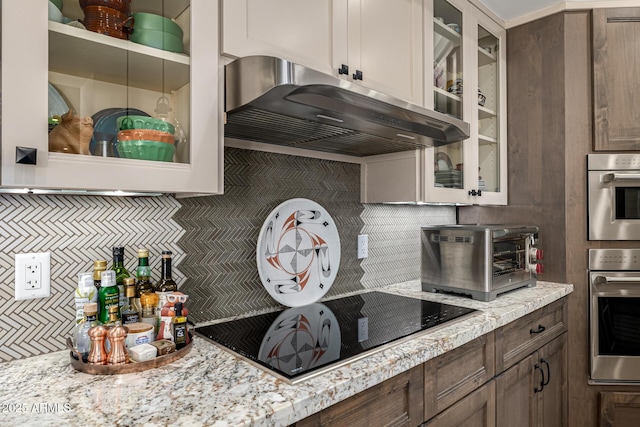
98, 354
118, 354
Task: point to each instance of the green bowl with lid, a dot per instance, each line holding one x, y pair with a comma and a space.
151, 21
158, 39
141, 149
144, 122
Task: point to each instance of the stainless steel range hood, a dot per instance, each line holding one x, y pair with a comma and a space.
275, 101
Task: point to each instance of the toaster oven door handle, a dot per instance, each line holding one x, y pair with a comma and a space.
511, 231
610, 177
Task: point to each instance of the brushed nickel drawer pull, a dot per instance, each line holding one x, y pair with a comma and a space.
537, 331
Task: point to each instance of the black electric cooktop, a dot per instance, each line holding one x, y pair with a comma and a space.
301, 341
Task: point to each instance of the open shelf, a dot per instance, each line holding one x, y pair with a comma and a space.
114, 60
485, 113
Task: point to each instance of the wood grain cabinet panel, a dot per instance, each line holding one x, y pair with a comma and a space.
477, 409
455, 374
534, 391
619, 409
616, 65
523, 336
395, 402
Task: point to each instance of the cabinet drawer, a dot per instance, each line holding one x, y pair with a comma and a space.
455, 374
522, 337
477, 409
395, 402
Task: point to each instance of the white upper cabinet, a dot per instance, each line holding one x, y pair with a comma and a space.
379, 42
312, 33
55, 67
467, 53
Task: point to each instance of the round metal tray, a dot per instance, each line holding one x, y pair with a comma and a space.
129, 367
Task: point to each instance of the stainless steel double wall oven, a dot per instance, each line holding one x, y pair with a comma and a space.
614, 272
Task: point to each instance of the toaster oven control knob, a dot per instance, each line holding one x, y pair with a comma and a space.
536, 254
539, 268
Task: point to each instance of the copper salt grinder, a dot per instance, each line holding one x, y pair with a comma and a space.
98, 354
118, 354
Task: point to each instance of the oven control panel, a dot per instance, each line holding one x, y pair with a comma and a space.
614, 259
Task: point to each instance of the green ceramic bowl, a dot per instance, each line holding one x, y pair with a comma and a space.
146, 150
150, 21
157, 39
144, 122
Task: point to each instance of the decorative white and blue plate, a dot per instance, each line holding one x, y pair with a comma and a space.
298, 252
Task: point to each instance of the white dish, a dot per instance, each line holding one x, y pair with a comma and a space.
57, 104
298, 252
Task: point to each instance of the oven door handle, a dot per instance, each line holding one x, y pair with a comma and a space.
610, 177
603, 280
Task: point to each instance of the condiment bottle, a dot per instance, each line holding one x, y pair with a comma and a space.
98, 354
99, 266
149, 302
108, 296
143, 274
179, 326
121, 273
118, 354
166, 283
83, 342
129, 314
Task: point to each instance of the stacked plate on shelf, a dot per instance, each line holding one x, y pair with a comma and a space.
449, 178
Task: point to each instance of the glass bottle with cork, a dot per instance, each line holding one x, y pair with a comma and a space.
121, 273
143, 274
128, 313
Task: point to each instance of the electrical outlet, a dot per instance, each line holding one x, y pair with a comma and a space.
363, 329
33, 275
363, 246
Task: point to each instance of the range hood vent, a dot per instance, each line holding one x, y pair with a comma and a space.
275, 101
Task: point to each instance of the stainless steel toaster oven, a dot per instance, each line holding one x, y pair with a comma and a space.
481, 261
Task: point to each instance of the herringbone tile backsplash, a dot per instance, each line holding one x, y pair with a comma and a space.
76, 230
213, 240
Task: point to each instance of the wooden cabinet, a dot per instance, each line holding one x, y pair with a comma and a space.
450, 377
466, 51
619, 409
476, 409
508, 377
523, 336
395, 402
616, 95
92, 72
327, 34
533, 392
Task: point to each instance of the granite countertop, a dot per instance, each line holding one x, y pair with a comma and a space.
210, 387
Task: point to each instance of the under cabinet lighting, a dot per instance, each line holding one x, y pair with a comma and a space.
110, 193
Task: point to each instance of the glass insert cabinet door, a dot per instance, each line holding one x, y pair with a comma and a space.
129, 94
489, 138
448, 83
